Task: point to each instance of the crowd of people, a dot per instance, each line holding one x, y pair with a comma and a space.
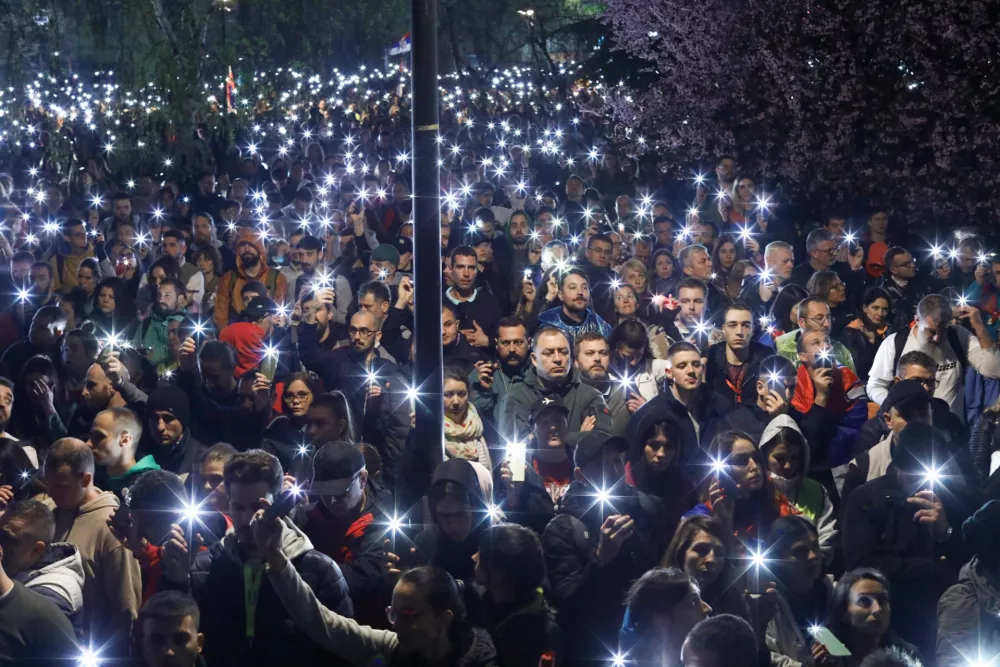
681, 427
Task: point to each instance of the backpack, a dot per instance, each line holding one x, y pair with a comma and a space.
953, 340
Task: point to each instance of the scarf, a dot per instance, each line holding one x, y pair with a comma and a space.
465, 440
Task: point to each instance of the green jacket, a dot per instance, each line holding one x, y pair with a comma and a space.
152, 336
145, 464
579, 399
786, 345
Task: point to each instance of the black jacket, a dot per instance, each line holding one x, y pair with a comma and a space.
717, 377
749, 418
182, 458
217, 583
587, 594
534, 504
522, 632
356, 545
484, 309
383, 422
879, 531
709, 413
904, 300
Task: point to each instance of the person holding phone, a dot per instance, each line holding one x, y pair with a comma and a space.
775, 387
859, 618
741, 495
803, 593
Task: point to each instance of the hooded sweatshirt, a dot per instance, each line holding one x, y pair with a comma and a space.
248, 340
143, 465
968, 615
228, 303
807, 495
112, 584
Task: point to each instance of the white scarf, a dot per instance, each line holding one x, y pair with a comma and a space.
465, 440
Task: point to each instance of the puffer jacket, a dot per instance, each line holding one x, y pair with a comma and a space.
983, 441
968, 615
217, 583
58, 575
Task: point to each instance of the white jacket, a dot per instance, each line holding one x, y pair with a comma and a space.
950, 376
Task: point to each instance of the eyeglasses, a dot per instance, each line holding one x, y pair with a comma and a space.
299, 397
820, 319
364, 333
827, 251
395, 615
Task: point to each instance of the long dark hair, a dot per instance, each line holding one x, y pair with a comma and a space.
764, 501
842, 595
633, 333
784, 301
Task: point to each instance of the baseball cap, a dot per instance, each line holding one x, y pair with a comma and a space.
259, 308
385, 253
403, 245
335, 466
546, 407
903, 391
590, 448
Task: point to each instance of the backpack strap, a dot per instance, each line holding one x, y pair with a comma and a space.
900, 342
956, 344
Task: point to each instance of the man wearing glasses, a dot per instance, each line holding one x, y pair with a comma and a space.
66, 263
813, 315
600, 249
822, 247
903, 286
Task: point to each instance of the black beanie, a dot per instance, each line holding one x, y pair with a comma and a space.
171, 399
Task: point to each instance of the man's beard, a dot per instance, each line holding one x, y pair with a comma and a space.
4, 421
250, 260
512, 363
163, 310
597, 378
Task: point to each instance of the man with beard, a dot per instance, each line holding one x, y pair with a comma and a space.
574, 316
373, 385
205, 236
232, 570
491, 380
168, 433
6, 407
251, 264
152, 335
593, 360
552, 376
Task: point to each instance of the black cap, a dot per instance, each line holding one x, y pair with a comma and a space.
546, 407
590, 448
259, 308
335, 466
903, 391
403, 244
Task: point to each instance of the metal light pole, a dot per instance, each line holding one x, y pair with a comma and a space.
428, 359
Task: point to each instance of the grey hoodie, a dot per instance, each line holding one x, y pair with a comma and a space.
968, 616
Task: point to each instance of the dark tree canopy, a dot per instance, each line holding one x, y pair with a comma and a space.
895, 100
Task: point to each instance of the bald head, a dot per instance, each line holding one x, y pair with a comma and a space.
97, 389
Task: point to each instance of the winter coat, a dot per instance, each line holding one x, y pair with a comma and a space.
217, 582
359, 644
676, 487
534, 505
587, 594
709, 412
58, 575
523, 632
581, 400
807, 495
717, 376
748, 418
879, 531
862, 350
356, 546
968, 616
831, 429
592, 322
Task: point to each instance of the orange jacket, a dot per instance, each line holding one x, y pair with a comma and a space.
228, 299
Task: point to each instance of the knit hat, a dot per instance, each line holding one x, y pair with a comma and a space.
903, 391
386, 253
169, 398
